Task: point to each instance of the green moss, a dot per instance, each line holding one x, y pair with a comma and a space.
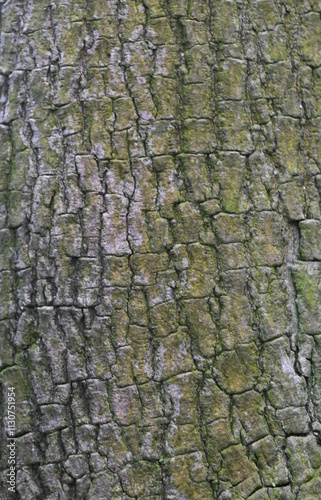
306, 286
238, 371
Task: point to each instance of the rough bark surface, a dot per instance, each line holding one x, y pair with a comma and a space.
160, 248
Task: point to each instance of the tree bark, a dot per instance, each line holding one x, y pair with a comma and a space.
160, 248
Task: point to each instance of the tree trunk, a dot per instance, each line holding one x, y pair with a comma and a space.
160, 249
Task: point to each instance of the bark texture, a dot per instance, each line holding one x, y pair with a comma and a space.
160, 248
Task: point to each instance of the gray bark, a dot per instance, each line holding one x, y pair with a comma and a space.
160, 239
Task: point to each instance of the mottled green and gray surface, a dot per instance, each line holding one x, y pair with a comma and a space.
161, 248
